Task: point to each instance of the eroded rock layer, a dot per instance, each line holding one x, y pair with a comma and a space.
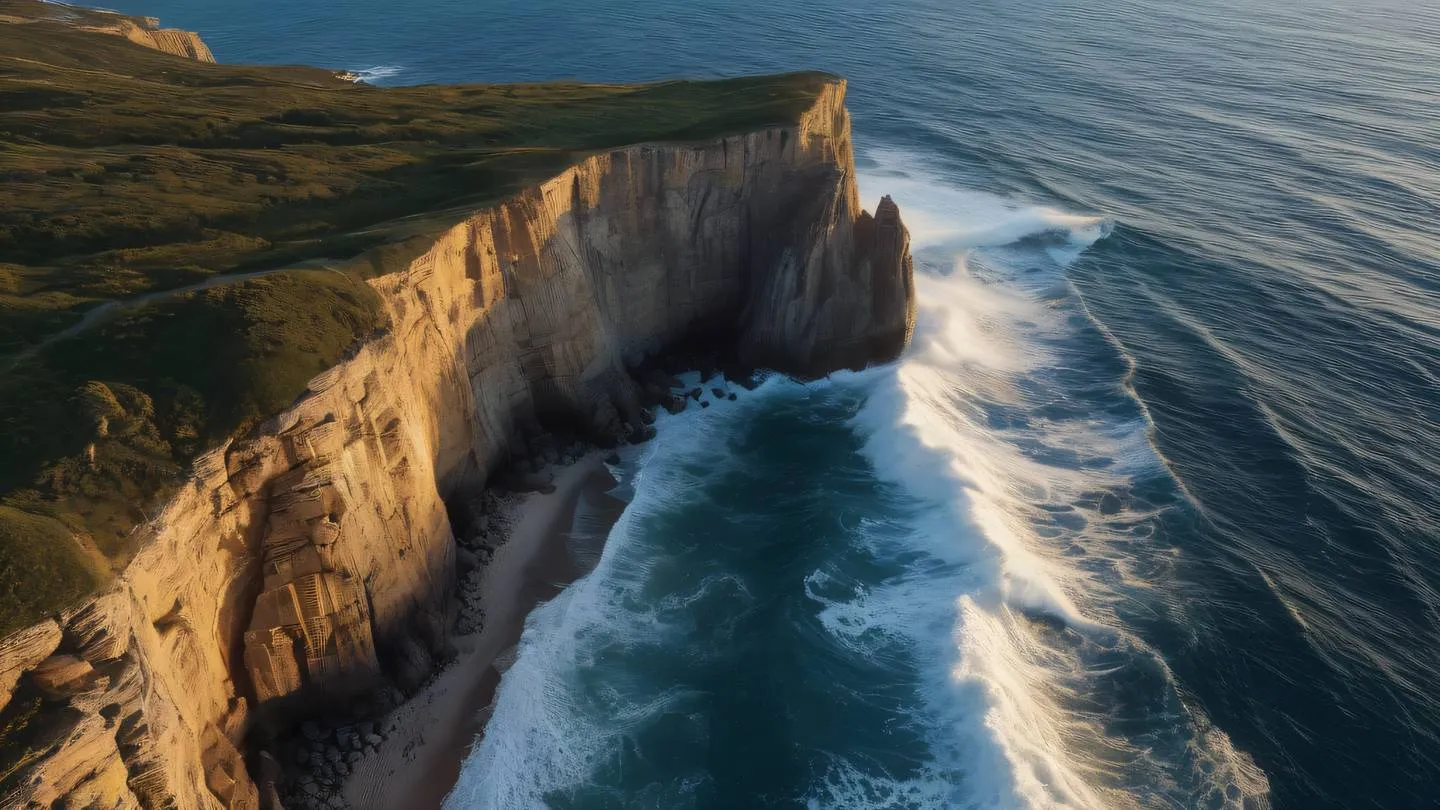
314, 560
143, 31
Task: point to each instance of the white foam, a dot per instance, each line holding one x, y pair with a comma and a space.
539, 739
979, 500
844, 786
941, 215
374, 74
993, 270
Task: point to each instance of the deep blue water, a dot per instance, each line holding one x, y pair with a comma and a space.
1148, 516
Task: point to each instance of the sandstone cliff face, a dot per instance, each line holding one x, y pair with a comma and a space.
143, 31
315, 560
146, 31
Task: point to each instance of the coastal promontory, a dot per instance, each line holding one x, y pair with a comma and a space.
262, 328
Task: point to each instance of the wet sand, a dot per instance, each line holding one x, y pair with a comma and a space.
554, 539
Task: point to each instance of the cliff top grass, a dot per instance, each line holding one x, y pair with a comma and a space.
134, 176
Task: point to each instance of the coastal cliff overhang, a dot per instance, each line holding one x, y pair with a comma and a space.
266, 331
175, 188
143, 31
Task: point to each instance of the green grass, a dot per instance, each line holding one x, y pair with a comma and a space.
39, 553
125, 171
182, 374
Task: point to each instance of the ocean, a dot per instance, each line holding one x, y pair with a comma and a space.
1148, 514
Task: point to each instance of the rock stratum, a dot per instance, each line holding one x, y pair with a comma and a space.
312, 560
143, 31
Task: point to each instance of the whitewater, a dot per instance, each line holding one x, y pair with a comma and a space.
967, 574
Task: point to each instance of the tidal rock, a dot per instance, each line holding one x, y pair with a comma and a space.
466, 560
744, 379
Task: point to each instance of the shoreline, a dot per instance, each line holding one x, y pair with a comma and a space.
429, 737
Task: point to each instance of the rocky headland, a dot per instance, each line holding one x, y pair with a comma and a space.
313, 570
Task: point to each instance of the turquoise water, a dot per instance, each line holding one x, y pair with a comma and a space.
1148, 514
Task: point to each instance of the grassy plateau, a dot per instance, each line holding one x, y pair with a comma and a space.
129, 175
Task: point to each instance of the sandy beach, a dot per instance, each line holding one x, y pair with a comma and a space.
429, 737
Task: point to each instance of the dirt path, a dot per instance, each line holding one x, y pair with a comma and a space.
111, 308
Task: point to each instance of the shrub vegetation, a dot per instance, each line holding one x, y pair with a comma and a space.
129, 176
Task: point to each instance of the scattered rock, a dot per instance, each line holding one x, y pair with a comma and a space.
62, 675
694, 393
705, 404
465, 560
718, 392
744, 379
732, 396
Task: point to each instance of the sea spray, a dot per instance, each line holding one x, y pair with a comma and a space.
900, 588
991, 420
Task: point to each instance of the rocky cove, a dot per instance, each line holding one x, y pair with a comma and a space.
313, 575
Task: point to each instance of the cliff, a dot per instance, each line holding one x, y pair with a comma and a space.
143, 31
311, 560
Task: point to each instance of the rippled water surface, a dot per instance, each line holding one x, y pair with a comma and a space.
1148, 514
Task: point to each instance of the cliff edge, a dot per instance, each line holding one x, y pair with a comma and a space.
143, 31
309, 559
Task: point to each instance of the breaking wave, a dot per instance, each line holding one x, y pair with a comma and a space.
940, 566
1011, 425
374, 75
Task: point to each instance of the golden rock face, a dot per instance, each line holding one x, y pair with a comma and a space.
143, 31
293, 556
